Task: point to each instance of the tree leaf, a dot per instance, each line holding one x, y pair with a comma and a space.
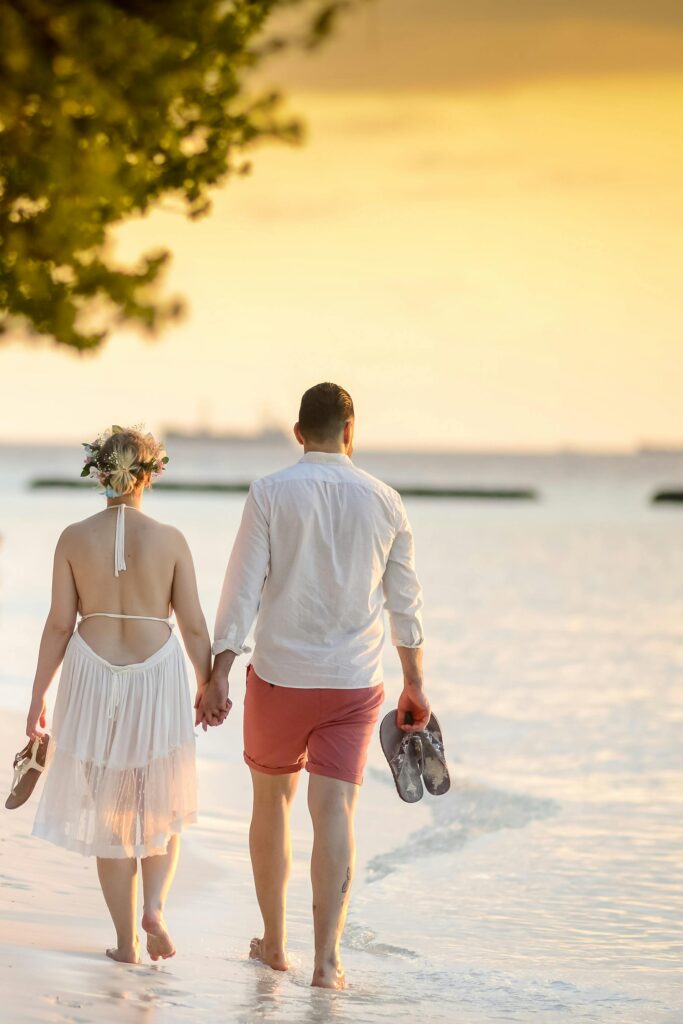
108, 108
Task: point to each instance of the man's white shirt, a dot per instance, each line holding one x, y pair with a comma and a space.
321, 550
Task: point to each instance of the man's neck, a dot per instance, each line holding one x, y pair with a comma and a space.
334, 449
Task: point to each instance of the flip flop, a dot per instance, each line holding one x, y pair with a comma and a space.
435, 771
403, 751
29, 764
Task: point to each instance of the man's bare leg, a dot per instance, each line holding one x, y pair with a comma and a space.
271, 858
332, 804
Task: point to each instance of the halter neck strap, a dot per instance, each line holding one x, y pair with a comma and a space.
119, 539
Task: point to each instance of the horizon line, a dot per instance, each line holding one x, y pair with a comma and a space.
567, 449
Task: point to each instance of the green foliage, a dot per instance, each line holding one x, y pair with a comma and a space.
106, 108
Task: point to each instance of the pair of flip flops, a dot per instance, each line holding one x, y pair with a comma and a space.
415, 758
29, 764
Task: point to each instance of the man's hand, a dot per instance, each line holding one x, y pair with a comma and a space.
35, 720
413, 702
213, 703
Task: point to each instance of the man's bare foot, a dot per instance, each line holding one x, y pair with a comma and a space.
272, 956
159, 942
329, 975
125, 954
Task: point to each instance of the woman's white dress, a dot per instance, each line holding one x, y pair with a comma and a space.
121, 776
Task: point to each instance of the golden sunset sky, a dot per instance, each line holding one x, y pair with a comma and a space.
482, 239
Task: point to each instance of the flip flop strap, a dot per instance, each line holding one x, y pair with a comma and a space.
398, 760
24, 764
419, 750
435, 742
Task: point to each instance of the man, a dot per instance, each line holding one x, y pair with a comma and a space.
322, 549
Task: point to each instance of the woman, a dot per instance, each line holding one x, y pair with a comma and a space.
121, 781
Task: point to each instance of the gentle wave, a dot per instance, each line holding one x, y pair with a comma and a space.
468, 810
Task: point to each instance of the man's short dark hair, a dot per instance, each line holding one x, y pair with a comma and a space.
324, 410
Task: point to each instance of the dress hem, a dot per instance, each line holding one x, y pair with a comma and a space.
158, 846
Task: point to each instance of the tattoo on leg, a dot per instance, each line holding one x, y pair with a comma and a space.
347, 883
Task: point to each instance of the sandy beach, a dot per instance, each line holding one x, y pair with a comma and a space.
54, 926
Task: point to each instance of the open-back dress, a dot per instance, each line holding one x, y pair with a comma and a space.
121, 776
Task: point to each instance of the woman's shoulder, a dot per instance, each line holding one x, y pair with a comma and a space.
82, 527
75, 530
164, 533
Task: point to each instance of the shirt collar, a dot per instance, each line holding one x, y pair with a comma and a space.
326, 457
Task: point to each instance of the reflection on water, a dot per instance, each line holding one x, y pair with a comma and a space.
263, 991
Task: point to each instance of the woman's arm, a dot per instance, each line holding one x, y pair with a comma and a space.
191, 621
57, 631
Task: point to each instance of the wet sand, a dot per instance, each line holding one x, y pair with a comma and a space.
54, 926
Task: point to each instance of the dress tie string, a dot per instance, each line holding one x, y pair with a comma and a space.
115, 689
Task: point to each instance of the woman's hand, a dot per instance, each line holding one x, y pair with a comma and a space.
35, 722
201, 690
214, 704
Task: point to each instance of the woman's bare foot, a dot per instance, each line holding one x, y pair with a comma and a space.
272, 956
125, 954
329, 975
159, 942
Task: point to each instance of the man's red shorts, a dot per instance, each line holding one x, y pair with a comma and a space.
326, 730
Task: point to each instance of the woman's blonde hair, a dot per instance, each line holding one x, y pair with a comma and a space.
127, 452
123, 458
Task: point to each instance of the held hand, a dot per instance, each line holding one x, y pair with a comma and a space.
215, 704
201, 688
414, 702
35, 721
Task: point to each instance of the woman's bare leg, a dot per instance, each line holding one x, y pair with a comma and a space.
119, 882
157, 876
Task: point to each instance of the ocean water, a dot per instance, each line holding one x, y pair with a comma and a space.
548, 884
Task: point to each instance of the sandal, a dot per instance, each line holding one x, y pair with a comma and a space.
29, 764
403, 751
435, 771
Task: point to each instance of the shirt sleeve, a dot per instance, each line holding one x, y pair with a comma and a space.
402, 590
244, 578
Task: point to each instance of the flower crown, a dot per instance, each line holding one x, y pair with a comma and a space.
103, 467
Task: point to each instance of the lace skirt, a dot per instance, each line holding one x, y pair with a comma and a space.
121, 776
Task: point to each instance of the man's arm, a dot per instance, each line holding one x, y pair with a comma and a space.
413, 699
403, 601
237, 608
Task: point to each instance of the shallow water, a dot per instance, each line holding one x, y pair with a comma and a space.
548, 884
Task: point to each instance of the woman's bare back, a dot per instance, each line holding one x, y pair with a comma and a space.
145, 587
